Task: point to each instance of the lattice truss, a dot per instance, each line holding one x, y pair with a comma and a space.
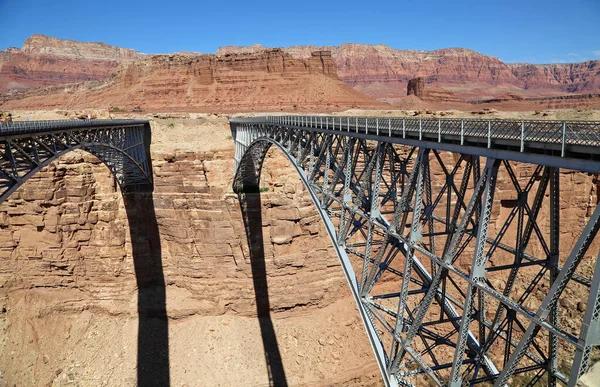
122, 149
455, 286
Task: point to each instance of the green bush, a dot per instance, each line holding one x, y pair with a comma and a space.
171, 125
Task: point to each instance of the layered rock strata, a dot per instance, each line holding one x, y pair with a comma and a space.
382, 72
46, 61
376, 70
269, 80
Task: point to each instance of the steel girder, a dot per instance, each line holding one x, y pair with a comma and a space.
122, 145
448, 290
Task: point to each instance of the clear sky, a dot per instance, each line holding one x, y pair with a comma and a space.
536, 31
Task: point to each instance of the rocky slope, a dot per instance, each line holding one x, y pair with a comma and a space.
268, 80
44, 61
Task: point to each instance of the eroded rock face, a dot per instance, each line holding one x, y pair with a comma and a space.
571, 77
46, 61
46, 45
381, 71
268, 80
257, 77
70, 222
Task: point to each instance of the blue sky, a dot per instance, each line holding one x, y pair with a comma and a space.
536, 31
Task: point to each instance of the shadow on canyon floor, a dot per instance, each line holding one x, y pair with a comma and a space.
153, 329
250, 205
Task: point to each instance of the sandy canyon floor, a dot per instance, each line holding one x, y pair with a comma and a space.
68, 287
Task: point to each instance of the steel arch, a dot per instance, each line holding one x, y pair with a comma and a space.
122, 145
249, 183
404, 218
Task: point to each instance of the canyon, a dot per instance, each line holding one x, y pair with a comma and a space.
69, 270
70, 309
69, 275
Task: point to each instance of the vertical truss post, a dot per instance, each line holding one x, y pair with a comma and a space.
347, 198
563, 140
522, 136
373, 213
311, 159
477, 269
552, 366
416, 174
326, 173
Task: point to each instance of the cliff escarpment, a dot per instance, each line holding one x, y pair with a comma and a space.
46, 61
383, 72
269, 80
245, 78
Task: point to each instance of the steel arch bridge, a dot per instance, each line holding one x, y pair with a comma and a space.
122, 145
447, 290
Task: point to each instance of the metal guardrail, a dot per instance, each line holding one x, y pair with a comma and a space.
20, 127
561, 133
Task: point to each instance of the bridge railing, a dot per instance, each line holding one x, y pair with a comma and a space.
19, 127
561, 133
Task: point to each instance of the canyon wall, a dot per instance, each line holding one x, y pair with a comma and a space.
68, 276
64, 48
68, 279
570, 77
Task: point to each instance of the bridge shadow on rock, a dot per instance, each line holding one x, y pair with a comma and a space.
153, 329
250, 205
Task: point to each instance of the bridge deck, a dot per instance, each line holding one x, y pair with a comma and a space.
27, 127
563, 144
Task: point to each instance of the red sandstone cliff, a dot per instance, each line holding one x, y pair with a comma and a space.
44, 61
381, 71
375, 70
570, 77
268, 80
